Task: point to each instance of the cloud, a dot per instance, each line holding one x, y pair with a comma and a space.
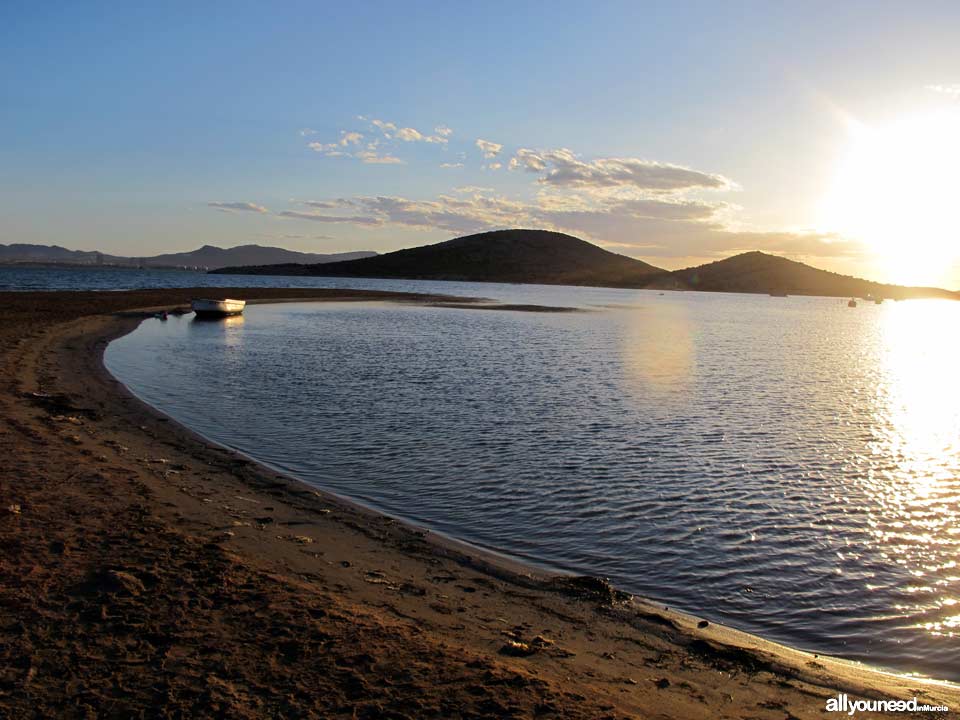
952, 90
357, 145
648, 208
562, 168
489, 148
472, 189
408, 134
387, 128
372, 158
664, 227
321, 218
237, 207
293, 236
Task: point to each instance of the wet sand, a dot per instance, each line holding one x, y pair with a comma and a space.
147, 573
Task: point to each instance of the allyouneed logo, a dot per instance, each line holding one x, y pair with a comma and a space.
843, 704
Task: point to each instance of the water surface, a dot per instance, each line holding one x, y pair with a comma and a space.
788, 466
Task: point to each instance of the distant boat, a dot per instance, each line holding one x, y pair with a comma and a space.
778, 294
878, 301
217, 308
852, 303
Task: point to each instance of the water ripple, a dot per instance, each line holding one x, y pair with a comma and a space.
789, 468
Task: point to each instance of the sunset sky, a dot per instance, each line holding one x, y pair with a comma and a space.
677, 133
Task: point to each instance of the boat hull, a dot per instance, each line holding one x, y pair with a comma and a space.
217, 308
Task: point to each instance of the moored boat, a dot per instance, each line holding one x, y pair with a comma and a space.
204, 307
852, 303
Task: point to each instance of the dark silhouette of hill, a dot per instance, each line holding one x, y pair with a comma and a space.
510, 256
541, 256
758, 272
208, 256
214, 257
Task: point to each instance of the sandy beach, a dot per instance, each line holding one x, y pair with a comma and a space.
147, 573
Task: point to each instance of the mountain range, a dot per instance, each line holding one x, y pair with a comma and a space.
208, 257
545, 257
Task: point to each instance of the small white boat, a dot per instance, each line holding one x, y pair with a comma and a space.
217, 308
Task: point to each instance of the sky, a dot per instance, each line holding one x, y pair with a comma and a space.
677, 133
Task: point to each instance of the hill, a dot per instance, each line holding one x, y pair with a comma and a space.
510, 256
757, 272
208, 256
541, 256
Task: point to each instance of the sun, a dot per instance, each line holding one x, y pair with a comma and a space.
897, 190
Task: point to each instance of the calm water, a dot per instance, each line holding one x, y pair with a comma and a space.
788, 466
92, 278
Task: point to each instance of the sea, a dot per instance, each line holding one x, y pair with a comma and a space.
786, 466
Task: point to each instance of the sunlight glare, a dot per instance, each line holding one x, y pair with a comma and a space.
896, 191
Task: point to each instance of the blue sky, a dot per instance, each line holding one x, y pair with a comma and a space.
674, 132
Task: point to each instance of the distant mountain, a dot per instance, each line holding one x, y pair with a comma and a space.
214, 257
757, 272
541, 256
510, 256
208, 256
24, 253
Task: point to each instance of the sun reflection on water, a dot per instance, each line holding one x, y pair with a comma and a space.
917, 430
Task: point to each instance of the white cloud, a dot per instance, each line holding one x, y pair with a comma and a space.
322, 218
237, 206
642, 205
387, 128
563, 168
953, 90
372, 158
409, 135
647, 227
351, 141
489, 148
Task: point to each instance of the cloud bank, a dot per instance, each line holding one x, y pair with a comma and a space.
642, 207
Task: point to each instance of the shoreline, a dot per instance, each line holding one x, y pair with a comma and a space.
425, 606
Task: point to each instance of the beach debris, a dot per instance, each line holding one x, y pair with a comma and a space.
119, 581
518, 647
301, 539
72, 419
265, 520
14, 508
662, 683
75, 439
702, 624
515, 648
588, 587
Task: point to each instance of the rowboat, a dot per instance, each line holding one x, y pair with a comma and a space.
217, 308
